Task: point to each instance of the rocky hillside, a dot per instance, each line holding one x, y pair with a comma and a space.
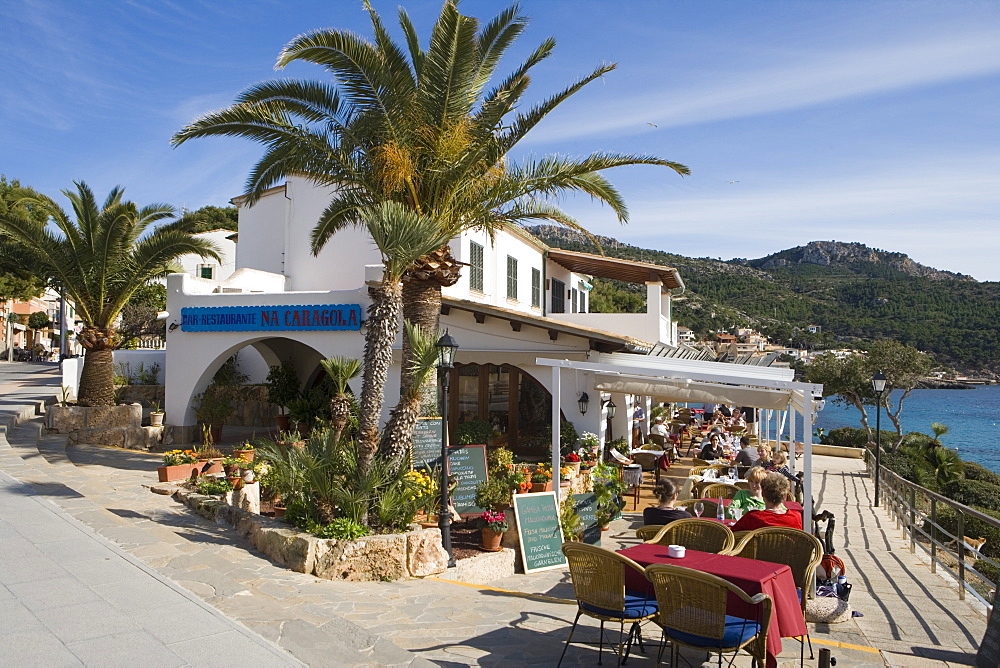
855, 293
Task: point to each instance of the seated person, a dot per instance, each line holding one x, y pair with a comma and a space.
665, 513
712, 448
659, 429
773, 488
778, 465
747, 456
750, 500
763, 455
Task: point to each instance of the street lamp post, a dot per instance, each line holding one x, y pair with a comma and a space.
610, 405
878, 384
446, 346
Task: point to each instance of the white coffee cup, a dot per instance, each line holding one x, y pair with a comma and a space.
676, 551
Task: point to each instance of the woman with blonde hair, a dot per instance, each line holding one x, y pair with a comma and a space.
779, 461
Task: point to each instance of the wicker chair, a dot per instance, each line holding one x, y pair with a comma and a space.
799, 550
647, 460
692, 612
711, 508
648, 531
599, 582
719, 490
698, 470
696, 533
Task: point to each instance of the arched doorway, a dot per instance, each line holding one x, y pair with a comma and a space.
517, 407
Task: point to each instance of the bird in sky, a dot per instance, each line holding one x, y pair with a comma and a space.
652, 125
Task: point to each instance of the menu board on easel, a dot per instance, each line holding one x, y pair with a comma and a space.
426, 443
468, 464
539, 531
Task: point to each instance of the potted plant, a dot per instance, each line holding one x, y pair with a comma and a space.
282, 388
474, 432
573, 460
177, 465
609, 491
493, 494
244, 452
291, 439
155, 414
231, 466
541, 479
492, 526
213, 407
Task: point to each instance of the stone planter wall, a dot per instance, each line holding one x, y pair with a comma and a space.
414, 554
835, 451
119, 426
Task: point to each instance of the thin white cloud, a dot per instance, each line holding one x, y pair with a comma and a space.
810, 79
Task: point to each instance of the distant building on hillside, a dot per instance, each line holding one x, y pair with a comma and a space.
814, 329
685, 335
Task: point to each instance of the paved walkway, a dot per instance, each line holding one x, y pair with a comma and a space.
915, 619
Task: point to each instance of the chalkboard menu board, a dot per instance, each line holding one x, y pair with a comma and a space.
586, 508
468, 464
988, 655
426, 446
537, 517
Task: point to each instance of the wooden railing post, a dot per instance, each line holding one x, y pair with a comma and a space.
933, 535
961, 555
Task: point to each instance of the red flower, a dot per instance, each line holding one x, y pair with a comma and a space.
572, 457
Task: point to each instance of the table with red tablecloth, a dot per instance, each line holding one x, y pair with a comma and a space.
750, 575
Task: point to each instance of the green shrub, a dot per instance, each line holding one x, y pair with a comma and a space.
474, 432
211, 486
493, 494
974, 471
973, 493
342, 528
850, 437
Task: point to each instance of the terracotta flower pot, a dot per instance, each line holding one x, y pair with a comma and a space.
174, 473
281, 422
245, 455
541, 486
216, 466
236, 481
279, 511
490, 540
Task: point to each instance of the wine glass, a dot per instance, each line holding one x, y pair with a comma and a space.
736, 512
699, 508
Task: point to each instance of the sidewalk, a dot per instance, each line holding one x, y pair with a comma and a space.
520, 620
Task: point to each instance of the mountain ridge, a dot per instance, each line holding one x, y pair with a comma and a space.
856, 294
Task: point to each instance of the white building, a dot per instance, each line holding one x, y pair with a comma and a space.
225, 241
517, 300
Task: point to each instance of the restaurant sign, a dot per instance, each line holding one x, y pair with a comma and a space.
294, 318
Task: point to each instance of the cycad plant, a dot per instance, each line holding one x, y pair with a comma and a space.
340, 370
100, 256
429, 129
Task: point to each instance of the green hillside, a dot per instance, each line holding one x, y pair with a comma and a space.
855, 293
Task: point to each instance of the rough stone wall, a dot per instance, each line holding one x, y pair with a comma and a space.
119, 426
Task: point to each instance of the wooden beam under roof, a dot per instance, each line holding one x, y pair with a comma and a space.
617, 268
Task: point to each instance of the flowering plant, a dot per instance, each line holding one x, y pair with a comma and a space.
178, 457
542, 474
494, 521
572, 458
566, 472
589, 440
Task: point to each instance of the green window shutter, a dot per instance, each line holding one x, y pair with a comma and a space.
536, 288
511, 277
476, 268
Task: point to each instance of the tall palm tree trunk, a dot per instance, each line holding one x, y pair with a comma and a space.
421, 307
382, 324
97, 387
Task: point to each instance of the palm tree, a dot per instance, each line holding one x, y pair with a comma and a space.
100, 259
340, 370
424, 128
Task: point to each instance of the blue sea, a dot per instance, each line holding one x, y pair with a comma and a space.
973, 417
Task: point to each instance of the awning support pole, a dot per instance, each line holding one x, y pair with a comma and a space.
556, 411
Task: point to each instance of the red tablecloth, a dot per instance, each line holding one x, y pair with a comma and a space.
750, 575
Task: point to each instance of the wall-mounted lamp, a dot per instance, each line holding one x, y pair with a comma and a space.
172, 326
819, 403
583, 402
610, 405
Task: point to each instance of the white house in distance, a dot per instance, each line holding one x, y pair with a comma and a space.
225, 241
518, 300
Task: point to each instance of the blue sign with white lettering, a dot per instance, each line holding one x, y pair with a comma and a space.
298, 318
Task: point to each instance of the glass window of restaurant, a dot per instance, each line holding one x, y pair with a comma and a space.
516, 406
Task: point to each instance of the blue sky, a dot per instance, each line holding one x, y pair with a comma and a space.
865, 121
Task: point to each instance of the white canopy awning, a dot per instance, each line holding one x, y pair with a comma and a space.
672, 390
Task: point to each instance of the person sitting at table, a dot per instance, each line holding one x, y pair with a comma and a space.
778, 465
658, 428
747, 500
747, 456
773, 488
665, 513
763, 455
712, 448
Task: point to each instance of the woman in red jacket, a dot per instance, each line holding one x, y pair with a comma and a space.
774, 489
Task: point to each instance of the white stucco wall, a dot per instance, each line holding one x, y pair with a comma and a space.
191, 264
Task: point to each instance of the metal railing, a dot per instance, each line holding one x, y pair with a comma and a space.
918, 513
